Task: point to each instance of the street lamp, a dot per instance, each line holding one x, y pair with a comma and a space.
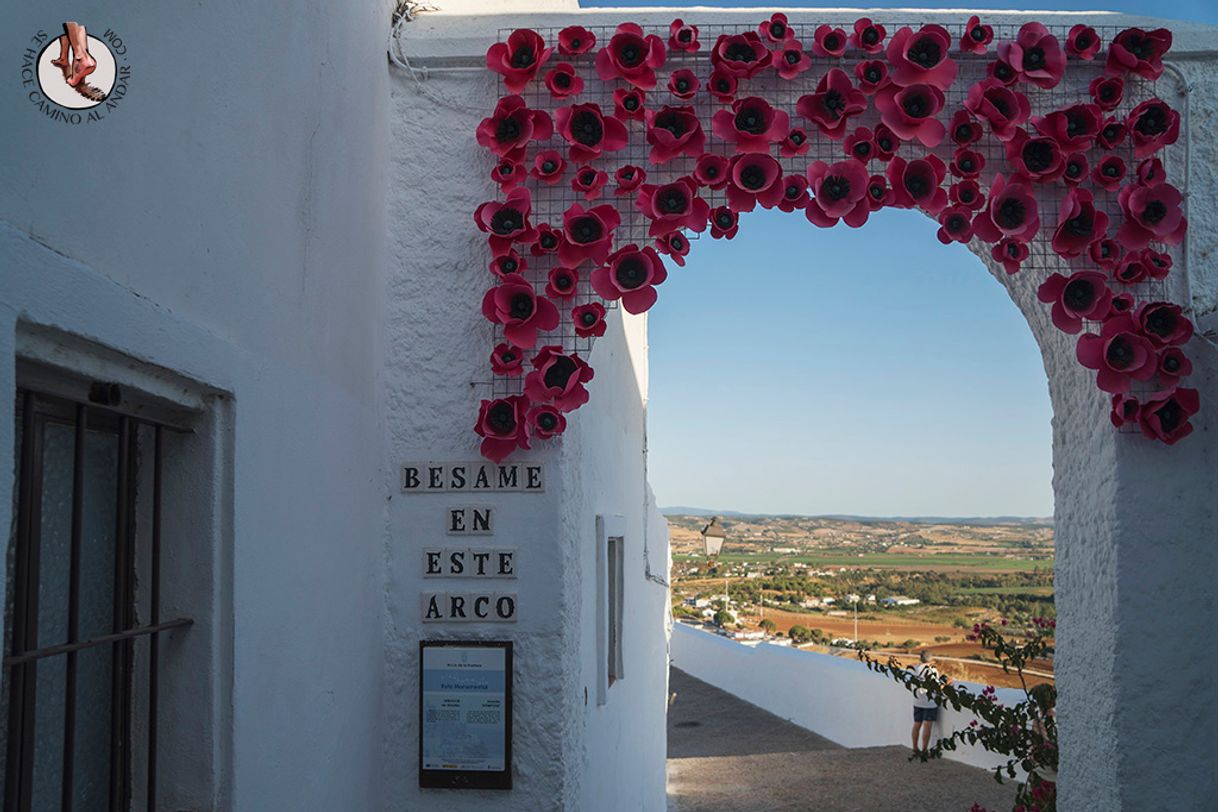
712, 543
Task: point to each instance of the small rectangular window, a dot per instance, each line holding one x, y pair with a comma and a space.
610, 597
613, 557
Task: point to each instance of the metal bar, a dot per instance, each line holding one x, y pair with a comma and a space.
109, 639
17, 760
69, 703
118, 677
154, 665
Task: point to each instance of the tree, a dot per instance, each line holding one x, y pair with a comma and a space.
768, 626
799, 634
722, 618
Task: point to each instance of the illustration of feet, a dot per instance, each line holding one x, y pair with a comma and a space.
82, 63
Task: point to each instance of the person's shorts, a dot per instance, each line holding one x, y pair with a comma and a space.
926, 714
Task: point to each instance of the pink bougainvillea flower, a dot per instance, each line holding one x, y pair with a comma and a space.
1124, 410
1119, 353
868, 36
955, 225
1109, 173
548, 166
794, 193
966, 193
672, 132
751, 124
1107, 92
682, 37
1075, 168
672, 207
674, 245
1036, 56
918, 183
1079, 224
999, 106
1083, 296
912, 112
1173, 365
791, 60
964, 129
546, 421
839, 192
562, 81
1039, 159
878, 193
829, 42
518, 59
886, 143
1150, 172
588, 132
724, 223
967, 163
1164, 416
508, 263
1082, 42
1074, 128
1151, 213
507, 360
547, 241
631, 56
776, 29
558, 379
860, 144
1137, 51
711, 170
1010, 212
587, 235
740, 55
683, 84
1001, 72
589, 320
629, 104
509, 129
977, 37
508, 173
796, 143
833, 104
1163, 323
1009, 252
1152, 126
502, 425
628, 179
574, 40
563, 283
872, 75
722, 85
631, 275
1105, 253
507, 222
589, 182
753, 179
922, 57
513, 304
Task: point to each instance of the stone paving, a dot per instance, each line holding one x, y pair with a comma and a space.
726, 755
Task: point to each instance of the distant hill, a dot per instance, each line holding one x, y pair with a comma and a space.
977, 521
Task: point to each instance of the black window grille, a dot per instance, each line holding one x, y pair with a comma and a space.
73, 687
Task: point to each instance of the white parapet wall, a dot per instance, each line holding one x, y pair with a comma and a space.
835, 697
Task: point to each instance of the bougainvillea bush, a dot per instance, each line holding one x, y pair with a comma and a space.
613, 150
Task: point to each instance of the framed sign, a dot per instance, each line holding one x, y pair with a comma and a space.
465, 714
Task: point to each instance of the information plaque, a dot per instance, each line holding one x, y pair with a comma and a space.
465, 714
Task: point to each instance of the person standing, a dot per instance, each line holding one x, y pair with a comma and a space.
925, 711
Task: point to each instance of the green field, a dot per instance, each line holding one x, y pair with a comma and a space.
1008, 590
959, 561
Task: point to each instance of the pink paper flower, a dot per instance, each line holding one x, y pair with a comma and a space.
1083, 296
629, 178
1109, 173
1105, 253
740, 55
1163, 323
1074, 128
507, 360
508, 263
878, 193
911, 112
1082, 42
791, 60
955, 225
558, 379
1151, 213
966, 193
1172, 365
1036, 56
753, 179
1150, 172
562, 283
575, 40
860, 144
967, 163
977, 37
630, 275
711, 170
1119, 353
507, 222
1137, 51
886, 143
1124, 410
674, 245
513, 304
1107, 91
1079, 224
1001, 107
588, 132
1112, 134
672, 132
547, 241
1165, 415
922, 57
589, 320
724, 223
631, 56
776, 29
796, 143
682, 37
508, 131
1009, 252
589, 182
1039, 159
1011, 212
872, 75
629, 104
964, 129
1001, 71
833, 104
546, 421
1152, 125
751, 124
918, 183
507, 173
868, 36
722, 85
502, 425
518, 59
683, 84
794, 193
839, 192
587, 235
1076, 169
672, 207
562, 81
829, 42
548, 166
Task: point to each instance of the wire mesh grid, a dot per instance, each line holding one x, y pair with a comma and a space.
551, 201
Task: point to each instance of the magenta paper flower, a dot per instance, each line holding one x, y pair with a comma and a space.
886, 142
911, 112
589, 320
631, 56
672, 206
507, 222
872, 76
672, 132
922, 57
513, 304
683, 84
1152, 125
839, 192
547, 241
631, 275
878, 193
829, 42
1082, 42
629, 104
587, 235
868, 36
508, 263
724, 223
1124, 410
1009, 252
546, 421
682, 37
918, 183
1039, 158
754, 179
1163, 323
558, 379
860, 144
1079, 224
711, 171
966, 193
740, 55
977, 37
562, 283
629, 178
1036, 56
1119, 353
1107, 91
1112, 134
1105, 253
776, 29
1158, 264
967, 163
1137, 51
548, 166
791, 60
501, 424
1074, 128
722, 85
1011, 212
575, 40
588, 131
518, 59
1001, 72
794, 193
562, 81
1165, 415
1172, 365
1109, 173
507, 173
833, 104
509, 129
507, 360
589, 182
1151, 213
796, 143
1075, 171
751, 124
1150, 172
1121, 303
999, 106
674, 245
1132, 269
964, 129
955, 225
1083, 296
